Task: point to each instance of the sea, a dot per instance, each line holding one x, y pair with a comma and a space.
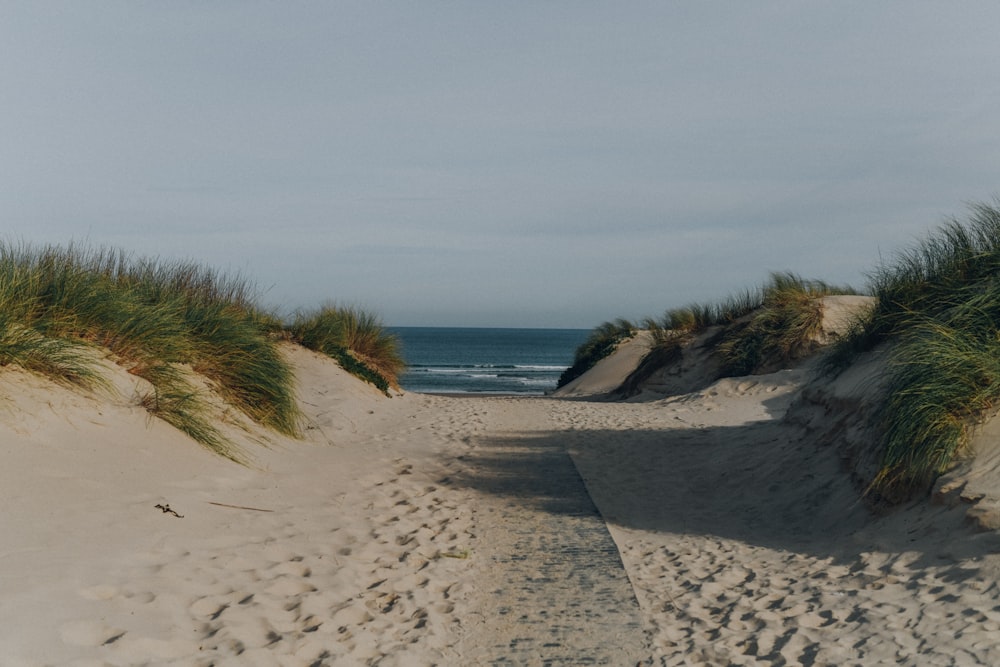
449, 360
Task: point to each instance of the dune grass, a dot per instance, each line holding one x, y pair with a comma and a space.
355, 338
939, 308
169, 322
154, 317
697, 317
777, 322
601, 342
176, 401
24, 325
62, 360
781, 329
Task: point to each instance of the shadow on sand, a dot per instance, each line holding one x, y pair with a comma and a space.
763, 483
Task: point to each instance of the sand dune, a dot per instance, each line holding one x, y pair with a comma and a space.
419, 530
332, 549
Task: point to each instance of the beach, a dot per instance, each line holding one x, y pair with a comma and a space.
420, 530
496, 335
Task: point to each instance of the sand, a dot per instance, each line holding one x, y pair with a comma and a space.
331, 550
709, 528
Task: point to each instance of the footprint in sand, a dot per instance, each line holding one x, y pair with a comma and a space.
350, 615
287, 587
100, 592
89, 633
210, 607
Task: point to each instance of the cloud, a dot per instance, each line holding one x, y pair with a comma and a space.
480, 163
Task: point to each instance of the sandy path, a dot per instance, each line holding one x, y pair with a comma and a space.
550, 585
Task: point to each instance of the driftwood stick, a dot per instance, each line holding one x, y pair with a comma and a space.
239, 507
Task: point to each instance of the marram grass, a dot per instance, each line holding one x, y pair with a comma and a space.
156, 318
782, 328
230, 348
176, 401
775, 322
959, 259
943, 377
939, 309
697, 317
62, 360
355, 338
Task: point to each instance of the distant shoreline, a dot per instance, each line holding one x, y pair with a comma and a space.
477, 394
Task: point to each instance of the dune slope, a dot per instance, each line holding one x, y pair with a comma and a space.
124, 542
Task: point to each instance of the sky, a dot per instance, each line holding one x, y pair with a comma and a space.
537, 164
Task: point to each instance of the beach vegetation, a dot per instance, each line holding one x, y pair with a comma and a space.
695, 318
175, 400
775, 323
59, 304
64, 361
938, 311
356, 339
23, 341
601, 342
781, 329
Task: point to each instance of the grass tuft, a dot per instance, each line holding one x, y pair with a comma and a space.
175, 401
939, 308
697, 317
354, 338
781, 329
777, 322
943, 378
62, 360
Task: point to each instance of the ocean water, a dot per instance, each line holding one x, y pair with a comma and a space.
486, 361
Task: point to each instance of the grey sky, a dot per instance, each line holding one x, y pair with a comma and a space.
498, 164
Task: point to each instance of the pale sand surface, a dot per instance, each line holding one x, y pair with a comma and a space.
746, 544
609, 373
349, 563
421, 530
